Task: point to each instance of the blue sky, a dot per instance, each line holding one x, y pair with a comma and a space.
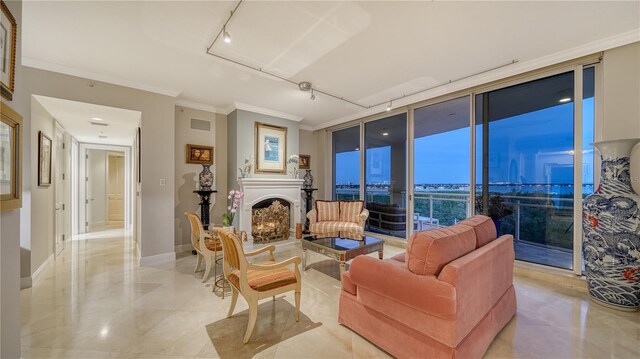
444, 158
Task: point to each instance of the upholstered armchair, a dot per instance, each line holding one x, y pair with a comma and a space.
206, 247
257, 281
335, 218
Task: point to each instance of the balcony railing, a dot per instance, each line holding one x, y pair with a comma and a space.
534, 219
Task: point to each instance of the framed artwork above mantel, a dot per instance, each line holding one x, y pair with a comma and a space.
271, 149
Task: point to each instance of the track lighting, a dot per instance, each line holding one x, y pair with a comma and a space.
313, 96
225, 35
389, 106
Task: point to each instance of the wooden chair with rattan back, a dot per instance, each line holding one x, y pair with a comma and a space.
257, 281
206, 246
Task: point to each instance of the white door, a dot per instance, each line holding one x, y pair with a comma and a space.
60, 177
115, 188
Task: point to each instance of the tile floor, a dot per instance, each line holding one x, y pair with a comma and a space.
95, 302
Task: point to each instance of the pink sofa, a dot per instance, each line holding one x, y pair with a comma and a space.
448, 296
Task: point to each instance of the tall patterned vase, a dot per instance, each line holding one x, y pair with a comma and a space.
611, 226
206, 178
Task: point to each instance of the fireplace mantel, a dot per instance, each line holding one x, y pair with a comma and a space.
258, 189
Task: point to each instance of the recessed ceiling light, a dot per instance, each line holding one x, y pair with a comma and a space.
102, 136
96, 119
563, 100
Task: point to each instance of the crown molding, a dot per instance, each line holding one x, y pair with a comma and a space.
264, 111
43, 65
605, 44
195, 105
306, 128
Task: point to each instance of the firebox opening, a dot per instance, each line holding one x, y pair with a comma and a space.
270, 220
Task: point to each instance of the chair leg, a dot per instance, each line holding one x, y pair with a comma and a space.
207, 261
198, 262
234, 299
253, 314
297, 305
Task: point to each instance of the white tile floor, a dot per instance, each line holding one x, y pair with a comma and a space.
95, 302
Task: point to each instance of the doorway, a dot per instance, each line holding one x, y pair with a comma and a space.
105, 177
115, 188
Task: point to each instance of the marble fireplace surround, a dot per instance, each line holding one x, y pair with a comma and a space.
258, 189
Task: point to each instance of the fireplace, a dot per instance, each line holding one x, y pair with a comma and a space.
257, 190
270, 220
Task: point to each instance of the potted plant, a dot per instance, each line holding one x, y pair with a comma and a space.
233, 202
498, 209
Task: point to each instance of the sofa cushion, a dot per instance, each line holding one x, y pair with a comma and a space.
429, 251
328, 210
484, 227
350, 210
333, 226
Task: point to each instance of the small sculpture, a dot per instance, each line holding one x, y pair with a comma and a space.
245, 171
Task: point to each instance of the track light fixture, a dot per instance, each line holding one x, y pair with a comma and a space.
303, 85
225, 35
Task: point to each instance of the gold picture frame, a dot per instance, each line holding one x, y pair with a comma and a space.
8, 35
10, 159
200, 155
271, 149
304, 162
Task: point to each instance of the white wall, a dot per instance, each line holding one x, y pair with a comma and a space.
13, 223
241, 137
186, 175
156, 223
621, 100
42, 198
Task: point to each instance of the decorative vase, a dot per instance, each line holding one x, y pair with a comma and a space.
298, 230
308, 179
611, 226
206, 178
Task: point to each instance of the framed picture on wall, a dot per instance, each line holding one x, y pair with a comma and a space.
8, 33
197, 154
271, 149
10, 159
44, 160
305, 162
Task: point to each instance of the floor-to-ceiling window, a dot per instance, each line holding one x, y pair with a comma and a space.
441, 164
526, 142
386, 175
531, 145
346, 163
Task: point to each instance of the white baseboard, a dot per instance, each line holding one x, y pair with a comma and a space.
26, 282
157, 259
184, 248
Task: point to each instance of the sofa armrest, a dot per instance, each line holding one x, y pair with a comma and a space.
481, 278
420, 292
362, 218
312, 216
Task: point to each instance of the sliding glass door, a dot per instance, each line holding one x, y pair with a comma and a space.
386, 175
441, 164
525, 162
346, 163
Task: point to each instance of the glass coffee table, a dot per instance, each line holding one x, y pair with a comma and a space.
340, 249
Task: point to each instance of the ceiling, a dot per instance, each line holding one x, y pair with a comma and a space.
368, 52
77, 118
